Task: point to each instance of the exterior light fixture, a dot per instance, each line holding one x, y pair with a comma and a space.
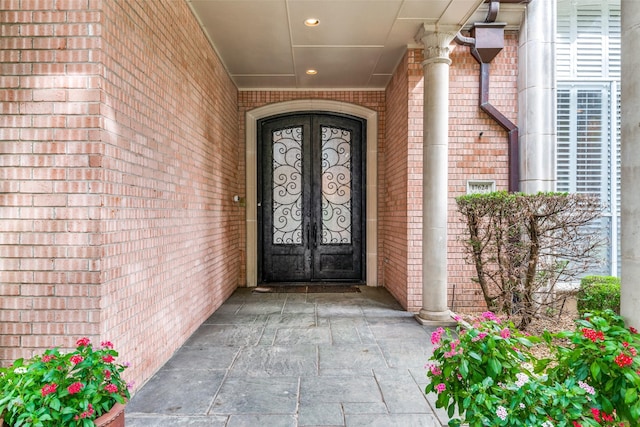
312, 72
312, 22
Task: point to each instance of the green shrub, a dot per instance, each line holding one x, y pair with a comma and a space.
599, 293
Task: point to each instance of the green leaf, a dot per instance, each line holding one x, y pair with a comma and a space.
464, 368
494, 366
474, 355
595, 370
631, 395
466, 402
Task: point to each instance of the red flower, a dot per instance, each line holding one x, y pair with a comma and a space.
48, 389
75, 359
596, 414
86, 414
592, 335
48, 358
111, 388
576, 424
623, 360
108, 358
633, 330
606, 417
83, 342
107, 374
75, 388
106, 344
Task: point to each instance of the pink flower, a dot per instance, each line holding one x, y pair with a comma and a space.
75, 388
587, 388
48, 389
490, 316
480, 336
436, 336
441, 387
435, 370
505, 333
75, 359
83, 342
111, 388
501, 412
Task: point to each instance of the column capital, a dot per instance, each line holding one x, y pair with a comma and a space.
436, 40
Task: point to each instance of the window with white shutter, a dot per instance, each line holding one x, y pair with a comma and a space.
588, 111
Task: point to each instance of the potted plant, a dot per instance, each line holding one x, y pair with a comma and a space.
83, 388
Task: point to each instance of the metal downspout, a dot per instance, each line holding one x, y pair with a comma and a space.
488, 108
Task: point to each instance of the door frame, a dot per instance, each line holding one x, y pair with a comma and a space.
251, 176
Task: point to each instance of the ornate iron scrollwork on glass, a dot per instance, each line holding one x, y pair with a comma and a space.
336, 186
287, 186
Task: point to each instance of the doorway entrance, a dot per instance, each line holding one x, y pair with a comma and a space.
311, 198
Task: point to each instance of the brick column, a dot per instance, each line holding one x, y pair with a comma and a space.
630, 127
435, 173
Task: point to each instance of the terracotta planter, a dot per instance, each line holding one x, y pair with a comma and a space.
113, 418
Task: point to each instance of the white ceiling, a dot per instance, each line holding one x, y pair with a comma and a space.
264, 44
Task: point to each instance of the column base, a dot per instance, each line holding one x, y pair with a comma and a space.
435, 318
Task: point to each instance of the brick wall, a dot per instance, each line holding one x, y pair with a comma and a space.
475, 157
120, 160
471, 157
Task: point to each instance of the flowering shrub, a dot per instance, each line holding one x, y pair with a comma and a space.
486, 372
57, 389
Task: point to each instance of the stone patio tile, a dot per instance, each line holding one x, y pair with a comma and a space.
320, 414
392, 420
217, 335
350, 331
403, 396
339, 390
255, 396
151, 421
354, 357
402, 328
200, 357
302, 336
409, 354
365, 408
171, 392
261, 420
266, 361
305, 320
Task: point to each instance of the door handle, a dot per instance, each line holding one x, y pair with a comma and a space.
308, 237
315, 235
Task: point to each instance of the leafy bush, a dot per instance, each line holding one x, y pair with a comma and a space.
523, 244
487, 373
599, 293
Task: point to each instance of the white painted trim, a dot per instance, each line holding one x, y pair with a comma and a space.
251, 144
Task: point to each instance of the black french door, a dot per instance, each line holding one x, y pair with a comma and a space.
311, 198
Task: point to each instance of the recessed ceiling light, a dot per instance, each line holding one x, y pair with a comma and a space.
312, 22
312, 72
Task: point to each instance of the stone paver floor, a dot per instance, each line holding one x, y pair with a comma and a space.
296, 359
